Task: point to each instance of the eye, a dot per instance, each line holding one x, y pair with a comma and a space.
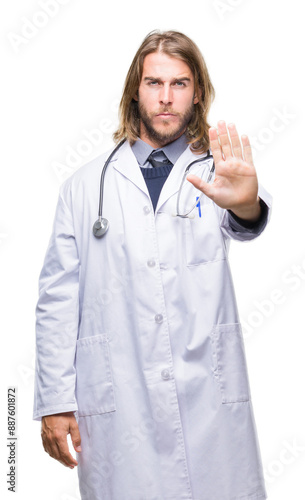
179, 84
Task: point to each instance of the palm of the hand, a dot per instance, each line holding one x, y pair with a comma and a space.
235, 185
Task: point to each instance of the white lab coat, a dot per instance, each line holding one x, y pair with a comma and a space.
138, 332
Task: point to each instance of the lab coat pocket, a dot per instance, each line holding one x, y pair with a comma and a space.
229, 363
94, 386
203, 238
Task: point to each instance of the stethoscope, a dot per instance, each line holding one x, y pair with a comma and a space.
186, 172
101, 225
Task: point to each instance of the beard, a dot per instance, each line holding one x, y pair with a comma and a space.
163, 137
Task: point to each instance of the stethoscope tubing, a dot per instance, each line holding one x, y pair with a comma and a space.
207, 157
102, 182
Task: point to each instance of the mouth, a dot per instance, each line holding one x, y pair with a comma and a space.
165, 115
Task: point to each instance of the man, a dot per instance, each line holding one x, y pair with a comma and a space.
139, 347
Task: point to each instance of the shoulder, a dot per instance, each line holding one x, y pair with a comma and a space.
84, 176
90, 173
88, 169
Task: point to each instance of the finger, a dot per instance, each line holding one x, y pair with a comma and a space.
236, 144
64, 452
215, 145
56, 454
57, 447
247, 149
75, 436
224, 139
198, 183
51, 447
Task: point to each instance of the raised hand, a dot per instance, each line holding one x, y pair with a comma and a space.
235, 186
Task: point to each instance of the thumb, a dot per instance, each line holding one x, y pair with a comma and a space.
198, 183
75, 435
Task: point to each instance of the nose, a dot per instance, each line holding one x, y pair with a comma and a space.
166, 94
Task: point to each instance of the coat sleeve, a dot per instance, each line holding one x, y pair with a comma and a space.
233, 228
57, 317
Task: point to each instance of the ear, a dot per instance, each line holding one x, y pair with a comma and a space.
196, 99
136, 96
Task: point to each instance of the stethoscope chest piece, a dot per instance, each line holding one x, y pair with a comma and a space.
100, 227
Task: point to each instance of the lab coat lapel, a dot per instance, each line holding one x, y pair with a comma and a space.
173, 182
126, 163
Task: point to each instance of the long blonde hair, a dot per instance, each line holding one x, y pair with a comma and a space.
178, 45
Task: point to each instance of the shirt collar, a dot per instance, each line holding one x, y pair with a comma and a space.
173, 150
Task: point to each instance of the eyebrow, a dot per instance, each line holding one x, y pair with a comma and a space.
151, 78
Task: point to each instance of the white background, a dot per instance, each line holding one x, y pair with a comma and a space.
64, 79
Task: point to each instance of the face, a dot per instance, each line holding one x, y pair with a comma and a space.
165, 98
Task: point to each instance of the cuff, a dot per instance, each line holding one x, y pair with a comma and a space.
237, 223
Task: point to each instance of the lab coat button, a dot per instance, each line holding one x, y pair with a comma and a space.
158, 318
165, 374
151, 263
146, 210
